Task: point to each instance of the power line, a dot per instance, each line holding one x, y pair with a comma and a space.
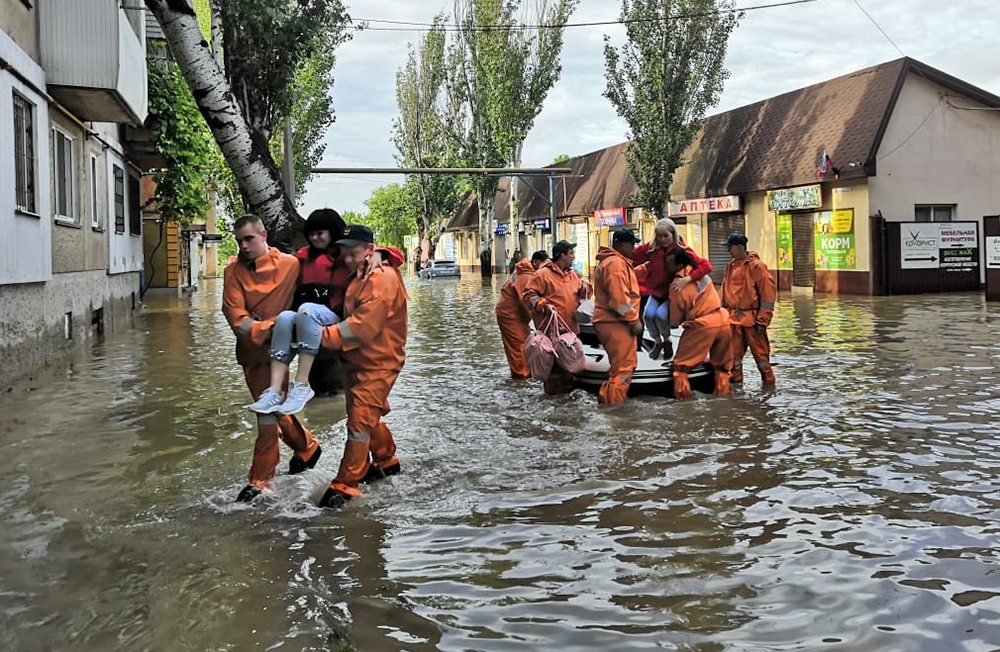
425, 27
875, 23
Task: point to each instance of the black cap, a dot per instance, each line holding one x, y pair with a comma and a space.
356, 234
735, 239
562, 247
324, 219
625, 235
541, 254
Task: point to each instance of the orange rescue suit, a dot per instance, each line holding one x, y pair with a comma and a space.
258, 291
748, 292
371, 340
513, 318
616, 309
706, 334
553, 287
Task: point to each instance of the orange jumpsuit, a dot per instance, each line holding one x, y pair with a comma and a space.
748, 292
514, 319
562, 290
616, 308
706, 334
259, 291
371, 340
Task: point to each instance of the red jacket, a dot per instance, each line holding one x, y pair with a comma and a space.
656, 283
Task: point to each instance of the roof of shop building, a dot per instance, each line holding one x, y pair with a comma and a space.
775, 143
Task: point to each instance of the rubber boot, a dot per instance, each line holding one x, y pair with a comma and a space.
767, 375
721, 383
682, 386
297, 465
737, 375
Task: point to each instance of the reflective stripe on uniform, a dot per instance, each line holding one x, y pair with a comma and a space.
763, 364
267, 420
623, 309
345, 331
703, 283
358, 436
767, 305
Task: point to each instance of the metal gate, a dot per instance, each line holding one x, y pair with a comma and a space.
803, 244
945, 261
719, 228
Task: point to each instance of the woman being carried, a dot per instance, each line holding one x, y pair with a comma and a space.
657, 312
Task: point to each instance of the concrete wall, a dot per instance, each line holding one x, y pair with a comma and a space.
935, 154
35, 313
21, 24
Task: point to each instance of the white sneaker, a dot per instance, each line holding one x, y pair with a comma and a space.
268, 403
298, 395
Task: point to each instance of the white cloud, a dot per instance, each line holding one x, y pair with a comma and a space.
773, 51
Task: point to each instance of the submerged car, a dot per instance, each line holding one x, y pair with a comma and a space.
438, 269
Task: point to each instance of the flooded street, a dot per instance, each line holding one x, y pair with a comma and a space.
856, 508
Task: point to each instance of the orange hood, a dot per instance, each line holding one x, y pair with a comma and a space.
608, 252
524, 266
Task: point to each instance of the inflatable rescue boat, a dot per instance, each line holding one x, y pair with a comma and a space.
655, 377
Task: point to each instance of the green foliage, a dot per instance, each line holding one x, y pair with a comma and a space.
184, 141
421, 132
562, 158
663, 80
392, 213
498, 80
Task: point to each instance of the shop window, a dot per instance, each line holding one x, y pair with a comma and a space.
63, 176
119, 175
24, 154
934, 213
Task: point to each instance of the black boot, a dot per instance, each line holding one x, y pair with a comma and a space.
654, 352
296, 465
333, 499
668, 350
375, 473
247, 494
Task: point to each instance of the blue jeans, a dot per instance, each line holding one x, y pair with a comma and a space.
306, 324
657, 318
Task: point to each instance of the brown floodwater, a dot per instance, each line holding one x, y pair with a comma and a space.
855, 508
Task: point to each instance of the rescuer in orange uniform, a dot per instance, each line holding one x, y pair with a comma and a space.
256, 288
697, 307
556, 287
616, 313
748, 292
513, 316
371, 339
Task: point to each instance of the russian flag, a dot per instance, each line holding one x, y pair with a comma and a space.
825, 164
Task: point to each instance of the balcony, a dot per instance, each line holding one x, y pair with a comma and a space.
94, 56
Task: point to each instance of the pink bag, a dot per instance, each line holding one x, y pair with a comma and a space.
568, 347
539, 354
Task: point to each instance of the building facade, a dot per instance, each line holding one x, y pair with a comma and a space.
72, 73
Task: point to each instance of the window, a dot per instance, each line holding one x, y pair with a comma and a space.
62, 176
134, 207
119, 199
95, 195
933, 213
24, 154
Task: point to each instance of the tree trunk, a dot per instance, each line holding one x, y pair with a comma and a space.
245, 152
216, 23
485, 233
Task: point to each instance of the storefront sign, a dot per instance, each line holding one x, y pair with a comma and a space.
993, 252
581, 234
795, 199
543, 224
501, 229
727, 204
784, 241
609, 217
953, 246
835, 242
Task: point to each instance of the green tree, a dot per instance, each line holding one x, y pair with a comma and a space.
421, 133
183, 141
499, 76
662, 81
265, 44
562, 158
392, 213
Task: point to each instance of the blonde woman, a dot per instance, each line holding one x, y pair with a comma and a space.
657, 285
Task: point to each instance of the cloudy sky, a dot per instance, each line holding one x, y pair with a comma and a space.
771, 52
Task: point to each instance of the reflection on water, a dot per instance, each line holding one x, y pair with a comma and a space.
856, 508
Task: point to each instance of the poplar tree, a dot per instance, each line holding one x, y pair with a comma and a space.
662, 81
